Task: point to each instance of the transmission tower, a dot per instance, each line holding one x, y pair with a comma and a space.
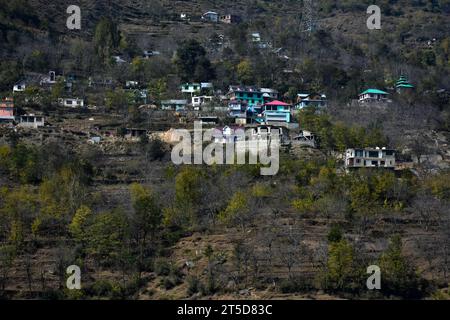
310, 23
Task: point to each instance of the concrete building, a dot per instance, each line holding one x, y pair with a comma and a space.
251, 95
276, 111
7, 110
200, 101
370, 158
305, 100
230, 18
174, 105
31, 121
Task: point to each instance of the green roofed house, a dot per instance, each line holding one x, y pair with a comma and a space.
403, 85
371, 95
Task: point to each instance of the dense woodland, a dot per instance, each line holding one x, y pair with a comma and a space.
143, 228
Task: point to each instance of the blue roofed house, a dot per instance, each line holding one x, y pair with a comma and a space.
210, 16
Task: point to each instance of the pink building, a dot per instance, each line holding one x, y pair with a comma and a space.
7, 109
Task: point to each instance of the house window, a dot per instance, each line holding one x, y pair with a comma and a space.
358, 161
373, 154
375, 163
69, 101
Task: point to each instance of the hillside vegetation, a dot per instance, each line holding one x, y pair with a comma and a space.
142, 228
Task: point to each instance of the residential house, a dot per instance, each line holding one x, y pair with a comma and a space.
248, 94
195, 88
275, 112
209, 120
49, 80
230, 18
191, 88
150, 53
237, 109
131, 84
174, 105
228, 134
134, 134
310, 100
100, 82
305, 138
258, 42
211, 16
269, 133
269, 94
71, 102
370, 158
31, 121
200, 101
7, 110
373, 95
206, 86
256, 37
20, 86
403, 85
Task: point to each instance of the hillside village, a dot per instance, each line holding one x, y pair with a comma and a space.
241, 107
87, 127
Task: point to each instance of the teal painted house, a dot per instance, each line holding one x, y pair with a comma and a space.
248, 94
276, 111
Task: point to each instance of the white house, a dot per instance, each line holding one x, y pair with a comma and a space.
228, 134
197, 102
174, 105
370, 158
31, 121
269, 94
371, 95
131, 84
256, 37
191, 88
20, 86
71, 102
